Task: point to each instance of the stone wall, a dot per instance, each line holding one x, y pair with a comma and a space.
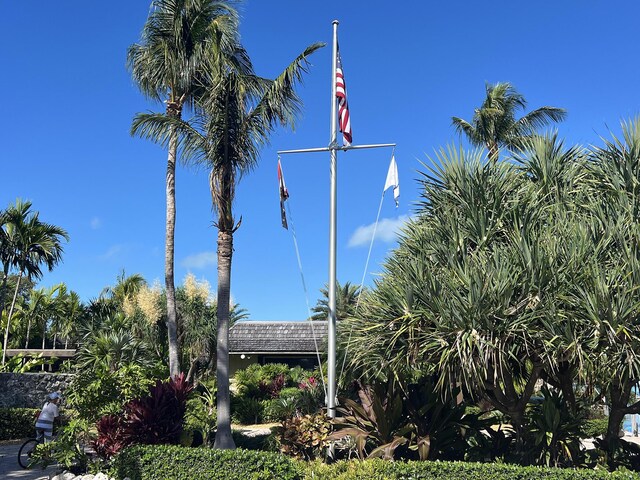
30, 389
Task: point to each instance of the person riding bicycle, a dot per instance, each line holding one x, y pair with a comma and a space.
50, 411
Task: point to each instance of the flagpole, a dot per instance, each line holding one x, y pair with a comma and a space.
333, 148
331, 341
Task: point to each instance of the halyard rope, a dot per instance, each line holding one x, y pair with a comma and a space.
364, 275
306, 293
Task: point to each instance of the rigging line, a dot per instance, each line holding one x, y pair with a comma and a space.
364, 275
306, 296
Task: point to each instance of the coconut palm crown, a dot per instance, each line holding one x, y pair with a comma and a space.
181, 46
494, 123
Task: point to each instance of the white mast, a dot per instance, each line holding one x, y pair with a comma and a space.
333, 224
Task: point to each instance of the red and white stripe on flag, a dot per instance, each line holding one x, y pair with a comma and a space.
343, 106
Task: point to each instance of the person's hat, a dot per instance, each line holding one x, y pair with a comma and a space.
54, 396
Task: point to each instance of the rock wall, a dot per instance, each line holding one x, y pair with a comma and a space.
30, 389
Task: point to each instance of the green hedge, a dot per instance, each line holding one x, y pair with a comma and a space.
161, 462
17, 423
384, 470
594, 427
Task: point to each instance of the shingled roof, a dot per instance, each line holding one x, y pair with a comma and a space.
277, 337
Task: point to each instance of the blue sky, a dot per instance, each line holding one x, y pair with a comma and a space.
68, 102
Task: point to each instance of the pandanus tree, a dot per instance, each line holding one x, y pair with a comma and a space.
237, 115
474, 292
610, 298
170, 64
494, 123
30, 245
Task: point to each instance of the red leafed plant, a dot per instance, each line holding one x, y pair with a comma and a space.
272, 389
110, 436
154, 419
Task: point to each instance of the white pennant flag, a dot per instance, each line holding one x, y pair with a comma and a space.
392, 180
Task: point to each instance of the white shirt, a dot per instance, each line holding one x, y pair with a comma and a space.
47, 415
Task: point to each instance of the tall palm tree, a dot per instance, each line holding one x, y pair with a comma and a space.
494, 124
238, 115
346, 300
32, 244
179, 42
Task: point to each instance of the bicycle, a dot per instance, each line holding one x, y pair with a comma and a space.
25, 454
27, 448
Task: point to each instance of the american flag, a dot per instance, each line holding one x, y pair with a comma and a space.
343, 106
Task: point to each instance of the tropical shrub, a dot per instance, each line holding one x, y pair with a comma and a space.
154, 419
17, 423
414, 421
97, 393
304, 437
594, 427
556, 432
22, 364
159, 462
263, 381
247, 410
200, 415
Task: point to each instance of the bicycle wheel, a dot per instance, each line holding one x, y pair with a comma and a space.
24, 454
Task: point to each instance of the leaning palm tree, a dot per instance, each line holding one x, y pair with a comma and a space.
236, 119
494, 124
34, 244
179, 42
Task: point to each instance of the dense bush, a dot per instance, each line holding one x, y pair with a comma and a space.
594, 427
273, 392
377, 469
97, 393
305, 436
160, 462
17, 423
201, 414
157, 418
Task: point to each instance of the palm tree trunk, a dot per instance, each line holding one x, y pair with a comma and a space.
6, 332
26, 342
172, 324
44, 333
225, 252
3, 289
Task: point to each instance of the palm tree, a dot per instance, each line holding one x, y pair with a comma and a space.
32, 243
346, 301
125, 288
179, 41
494, 124
238, 115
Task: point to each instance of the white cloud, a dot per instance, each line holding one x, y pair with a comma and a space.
387, 231
199, 260
113, 251
95, 223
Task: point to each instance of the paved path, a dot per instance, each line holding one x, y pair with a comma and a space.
10, 470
